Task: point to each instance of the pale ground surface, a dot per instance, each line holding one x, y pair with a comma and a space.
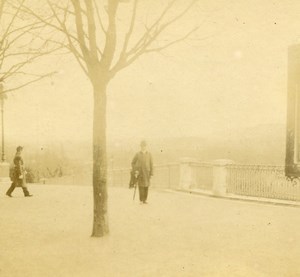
176, 234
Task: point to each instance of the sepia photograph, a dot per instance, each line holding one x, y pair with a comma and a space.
149, 138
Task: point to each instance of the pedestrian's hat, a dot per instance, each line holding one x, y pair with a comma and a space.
19, 148
143, 143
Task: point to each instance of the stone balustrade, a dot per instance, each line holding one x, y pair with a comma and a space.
220, 178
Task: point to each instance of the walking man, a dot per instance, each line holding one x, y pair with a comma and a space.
142, 165
18, 176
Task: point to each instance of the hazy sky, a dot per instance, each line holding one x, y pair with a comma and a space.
235, 77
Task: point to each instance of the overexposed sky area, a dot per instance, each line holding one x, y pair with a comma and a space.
232, 75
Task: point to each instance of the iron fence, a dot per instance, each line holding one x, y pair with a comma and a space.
266, 181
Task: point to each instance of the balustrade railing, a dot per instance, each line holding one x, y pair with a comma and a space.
202, 175
266, 181
220, 179
168, 176
165, 176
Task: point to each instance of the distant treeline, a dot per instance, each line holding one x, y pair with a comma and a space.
264, 144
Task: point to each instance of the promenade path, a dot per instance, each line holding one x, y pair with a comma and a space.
176, 234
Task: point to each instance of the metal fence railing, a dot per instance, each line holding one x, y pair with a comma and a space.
266, 181
165, 176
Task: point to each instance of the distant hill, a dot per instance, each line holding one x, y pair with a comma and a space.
262, 144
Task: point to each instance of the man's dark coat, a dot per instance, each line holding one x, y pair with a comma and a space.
142, 163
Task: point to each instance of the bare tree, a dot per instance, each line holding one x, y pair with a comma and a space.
20, 46
91, 33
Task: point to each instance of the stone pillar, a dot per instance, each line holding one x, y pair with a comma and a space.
220, 176
4, 173
185, 174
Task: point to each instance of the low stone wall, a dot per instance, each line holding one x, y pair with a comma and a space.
221, 178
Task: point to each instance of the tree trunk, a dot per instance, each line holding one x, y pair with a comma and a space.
100, 223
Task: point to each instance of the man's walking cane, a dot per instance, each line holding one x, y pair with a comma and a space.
136, 183
134, 190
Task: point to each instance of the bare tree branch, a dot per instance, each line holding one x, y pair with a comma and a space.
80, 31
152, 27
23, 28
15, 15
110, 45
23, 73
129, 33
158, 49
17, 66
64, 9
29, 82
40, 18
99, 17
25, 32
63, 28
91, 31
2, 2
151, 35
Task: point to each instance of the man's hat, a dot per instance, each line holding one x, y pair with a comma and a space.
143, 143
19, 148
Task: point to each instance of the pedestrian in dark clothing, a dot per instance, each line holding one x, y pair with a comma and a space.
142, 165
18, 175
